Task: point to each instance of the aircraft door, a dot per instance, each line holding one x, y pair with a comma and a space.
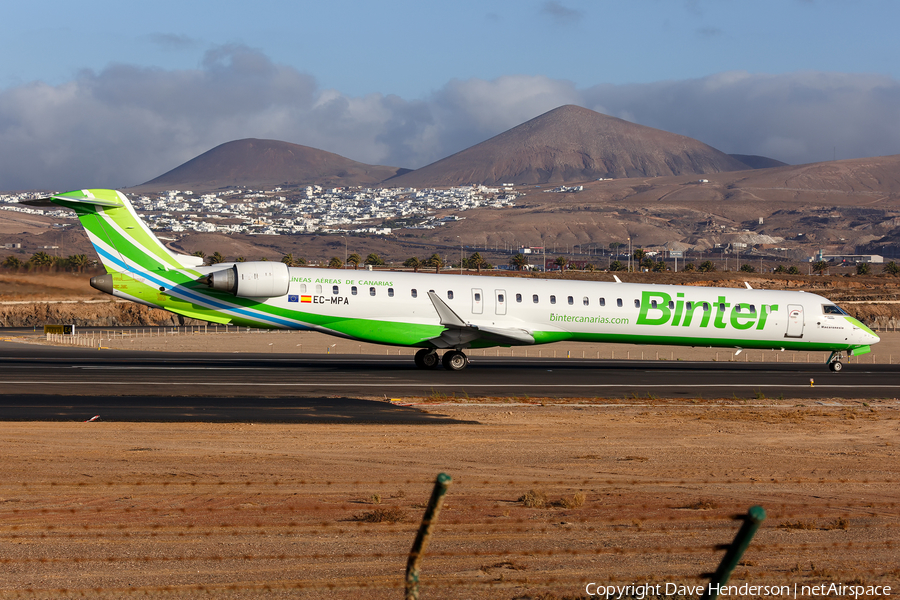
795, 321
477, 301
500, 301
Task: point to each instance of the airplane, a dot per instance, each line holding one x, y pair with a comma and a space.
449, 313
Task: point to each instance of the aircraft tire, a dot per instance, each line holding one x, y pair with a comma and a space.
836, 366
426, 358
454, 360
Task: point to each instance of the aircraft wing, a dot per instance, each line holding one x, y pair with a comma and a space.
457, 332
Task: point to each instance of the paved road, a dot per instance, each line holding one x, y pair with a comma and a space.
72, 382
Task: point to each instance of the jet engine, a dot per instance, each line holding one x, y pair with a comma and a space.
258, 279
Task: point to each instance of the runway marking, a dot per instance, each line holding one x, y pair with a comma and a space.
447, 385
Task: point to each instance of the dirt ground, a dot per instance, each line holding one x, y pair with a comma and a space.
624, 494
545, 498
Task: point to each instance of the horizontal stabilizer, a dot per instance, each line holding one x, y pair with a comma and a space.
108, 198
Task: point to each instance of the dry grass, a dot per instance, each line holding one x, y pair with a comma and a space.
384, 514
702, 504
534, 499
798, 524
574, 501
839, 523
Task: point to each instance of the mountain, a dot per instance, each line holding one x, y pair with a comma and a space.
758, 162
266, 163
568, 144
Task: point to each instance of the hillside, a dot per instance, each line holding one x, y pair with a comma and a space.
570, 144
267, 163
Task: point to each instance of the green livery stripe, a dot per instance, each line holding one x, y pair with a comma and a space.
856, 323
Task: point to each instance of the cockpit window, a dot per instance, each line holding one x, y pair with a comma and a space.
831, 309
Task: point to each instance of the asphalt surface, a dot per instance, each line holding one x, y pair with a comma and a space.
59, 383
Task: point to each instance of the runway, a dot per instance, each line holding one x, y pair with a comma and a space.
46, 382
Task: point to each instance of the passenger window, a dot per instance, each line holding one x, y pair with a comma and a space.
689, 305
619, 302
571, 300
371, 291
477, 296
414, 293
534, 298
302, 288
671, 305
652, 304
432, 291
334, 290
637, 303
721, 307
449, 294
602, 301
518, 297
585, 301
500, 298
319, 288
753, 308
552, 299
390, 292
353, 290
705, 307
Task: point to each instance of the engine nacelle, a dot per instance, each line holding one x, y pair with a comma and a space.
258, 279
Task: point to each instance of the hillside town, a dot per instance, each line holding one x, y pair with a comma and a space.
310, 209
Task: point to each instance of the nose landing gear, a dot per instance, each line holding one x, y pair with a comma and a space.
834, 362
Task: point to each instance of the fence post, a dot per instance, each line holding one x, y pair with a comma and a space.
752, 520
420, 544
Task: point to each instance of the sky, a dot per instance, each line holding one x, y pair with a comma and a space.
112, 94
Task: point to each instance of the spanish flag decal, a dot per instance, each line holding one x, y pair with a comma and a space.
305, 298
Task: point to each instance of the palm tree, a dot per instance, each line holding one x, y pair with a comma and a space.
820, 267
477, 261
335, 263
13, 262
77, 262
561, 262
290, 261
374, 260
412, 263
518, 261
354, 259
216, 258
42, 260
435, 261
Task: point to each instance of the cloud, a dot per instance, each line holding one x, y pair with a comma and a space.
561, 14
125, 125
172, 41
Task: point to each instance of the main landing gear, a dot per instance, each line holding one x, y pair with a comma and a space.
453, 360
834, 362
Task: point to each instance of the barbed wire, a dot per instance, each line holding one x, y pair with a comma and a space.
472, 553
155, 530
462, 482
